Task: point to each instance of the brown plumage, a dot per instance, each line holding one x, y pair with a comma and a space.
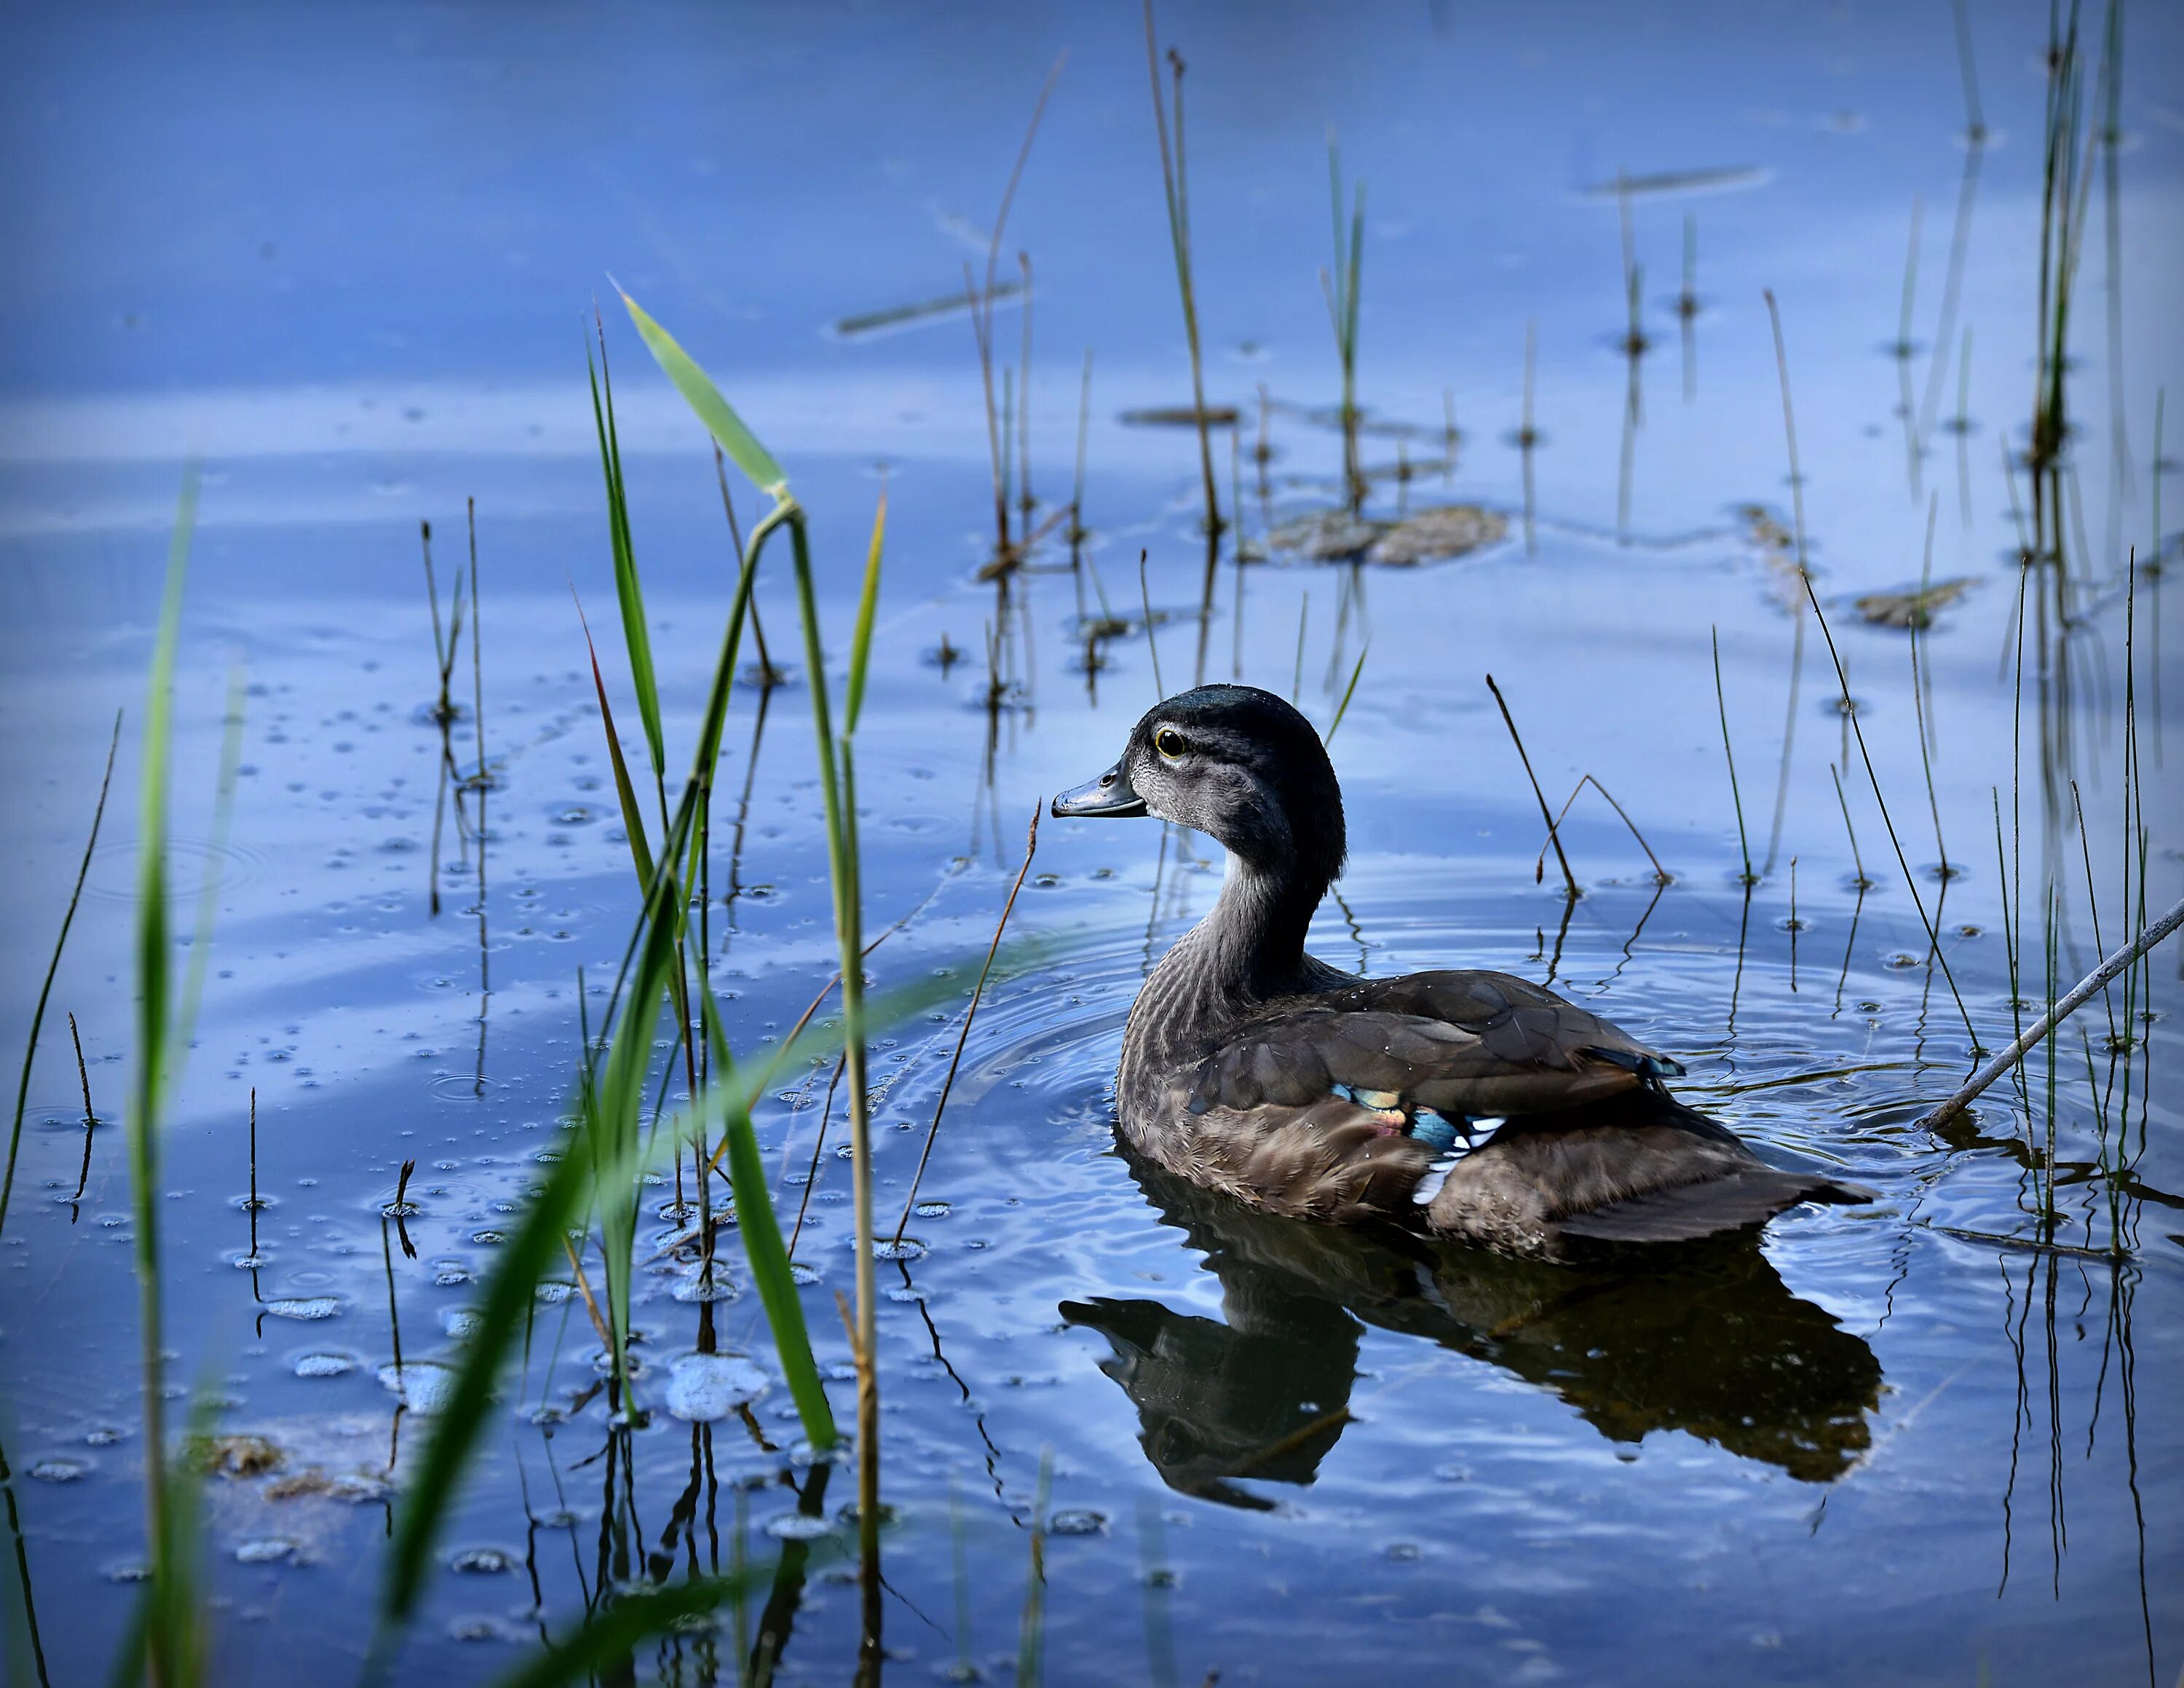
1251, 1068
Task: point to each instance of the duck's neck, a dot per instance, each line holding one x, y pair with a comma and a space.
1248, 950
1253, 940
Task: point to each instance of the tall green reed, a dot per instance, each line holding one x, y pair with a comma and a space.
837, 762
168, 1626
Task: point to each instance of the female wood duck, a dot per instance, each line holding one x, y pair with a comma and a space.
1250, 1067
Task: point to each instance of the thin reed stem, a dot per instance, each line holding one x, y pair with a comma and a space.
977, 990
1569, 879
1721, 703
52, 967
1933, 938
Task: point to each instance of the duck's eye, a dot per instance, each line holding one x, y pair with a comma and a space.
1169, 743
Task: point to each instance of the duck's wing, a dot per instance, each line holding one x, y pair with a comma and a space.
1641, 1168
1462, 1044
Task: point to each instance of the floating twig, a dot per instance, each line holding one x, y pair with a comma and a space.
2080, 995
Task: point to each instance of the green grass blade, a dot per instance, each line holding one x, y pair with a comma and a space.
760, 1230
860, 648
1348, 692
704, 398
621, 1104
627, 590
633, 817
169, 1650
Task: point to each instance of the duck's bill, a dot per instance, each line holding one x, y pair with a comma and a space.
1111, 794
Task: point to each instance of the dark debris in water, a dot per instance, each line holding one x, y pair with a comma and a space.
1430, 536
1912, 611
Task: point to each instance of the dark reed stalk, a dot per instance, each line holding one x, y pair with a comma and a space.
1687, 306
1857, 862
1798, 636
1926, 736
1025, 502
1152, 644
1527, 436
1975, 140
1843, 682
446, 645
977, 990
1077, 533
52, 967
478, 649
982, 324
1721, 702
1976, 120
91, 1125
2109, 96
1031, 1633
1661, 874
1569, 879
1961, 426
1905, 348
1796, 925
1176, 184
2093, 898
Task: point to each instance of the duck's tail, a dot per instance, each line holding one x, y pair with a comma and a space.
1688, 1211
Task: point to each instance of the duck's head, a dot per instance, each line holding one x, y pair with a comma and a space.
1237, 763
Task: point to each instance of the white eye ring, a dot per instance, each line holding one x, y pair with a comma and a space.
1169, 743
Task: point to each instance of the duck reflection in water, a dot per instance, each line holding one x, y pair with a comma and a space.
1703, 1338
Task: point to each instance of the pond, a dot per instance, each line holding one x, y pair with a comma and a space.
345, 260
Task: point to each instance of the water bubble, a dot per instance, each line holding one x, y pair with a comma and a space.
479, 1562
805, 1272
306, 1307
704, 1387
702, 1286
460, 1322
60, 1470
797, 1527
931, 1209
1078, 1521
423, 1386
264, 1550
899, 1249
554, 1291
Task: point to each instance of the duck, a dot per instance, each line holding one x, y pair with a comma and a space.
1475, 1105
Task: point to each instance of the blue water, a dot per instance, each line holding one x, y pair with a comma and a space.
346, 257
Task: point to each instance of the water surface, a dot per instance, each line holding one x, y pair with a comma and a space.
341, 256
